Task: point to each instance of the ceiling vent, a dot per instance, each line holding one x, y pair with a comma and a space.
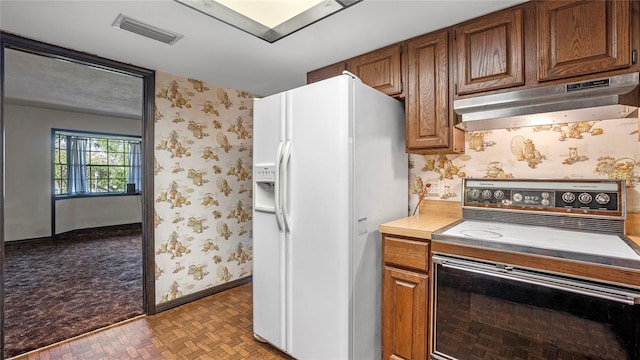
140, 28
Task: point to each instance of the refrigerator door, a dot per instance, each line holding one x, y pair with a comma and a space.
318, 131
269, 292
380, 194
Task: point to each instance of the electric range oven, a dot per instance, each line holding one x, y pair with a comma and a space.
536, 269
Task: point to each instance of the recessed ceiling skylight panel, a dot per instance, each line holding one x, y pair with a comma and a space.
269, 20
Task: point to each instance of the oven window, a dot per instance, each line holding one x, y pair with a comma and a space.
482, 316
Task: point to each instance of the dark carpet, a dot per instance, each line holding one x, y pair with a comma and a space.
81, 281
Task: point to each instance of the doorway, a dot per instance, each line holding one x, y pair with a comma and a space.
12, 43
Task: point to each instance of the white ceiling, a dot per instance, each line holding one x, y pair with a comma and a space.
222, 55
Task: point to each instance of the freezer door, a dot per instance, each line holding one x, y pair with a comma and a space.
317, 205
269, 300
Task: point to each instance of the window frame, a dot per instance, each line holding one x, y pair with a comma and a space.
55, 132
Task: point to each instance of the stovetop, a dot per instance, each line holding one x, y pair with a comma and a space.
602, 248
581, 220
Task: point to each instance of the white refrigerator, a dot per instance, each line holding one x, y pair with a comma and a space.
329, 167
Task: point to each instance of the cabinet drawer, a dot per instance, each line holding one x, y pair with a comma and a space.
406, 253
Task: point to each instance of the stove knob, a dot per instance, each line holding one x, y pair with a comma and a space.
486, 194
498, 194
602, 198
545, 195
517, 197
544, 202
568, 197
585, 198
475, 193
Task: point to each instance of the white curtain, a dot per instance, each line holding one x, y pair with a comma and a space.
77, 165
135, 165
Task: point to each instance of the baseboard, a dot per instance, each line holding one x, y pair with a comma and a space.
21, 241
201, 294
98, 228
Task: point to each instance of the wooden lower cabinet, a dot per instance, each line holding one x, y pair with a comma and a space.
405, 289
404, 314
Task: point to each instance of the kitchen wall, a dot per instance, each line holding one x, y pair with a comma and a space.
202, 186
27, 206
203, 158
608, 149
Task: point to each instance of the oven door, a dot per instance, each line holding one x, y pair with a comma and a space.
494, 311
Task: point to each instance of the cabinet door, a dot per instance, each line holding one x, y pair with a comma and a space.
381, 69
326, 72
490, 52
583, 37
404, 315
427, 93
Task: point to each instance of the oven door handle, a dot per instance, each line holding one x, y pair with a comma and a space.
602, 291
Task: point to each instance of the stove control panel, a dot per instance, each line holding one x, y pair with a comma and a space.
598, 197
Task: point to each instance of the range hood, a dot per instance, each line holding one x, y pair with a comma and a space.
597, 99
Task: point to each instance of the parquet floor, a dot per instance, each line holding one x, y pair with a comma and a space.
216, 327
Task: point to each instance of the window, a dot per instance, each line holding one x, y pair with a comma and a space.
95, 164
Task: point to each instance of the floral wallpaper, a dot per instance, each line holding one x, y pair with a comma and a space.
203, 166
608, 149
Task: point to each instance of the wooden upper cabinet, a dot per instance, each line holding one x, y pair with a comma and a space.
429, 120
582, 37
381, 69
326, 72
490, 52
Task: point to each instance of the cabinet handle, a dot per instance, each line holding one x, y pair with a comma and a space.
634, 56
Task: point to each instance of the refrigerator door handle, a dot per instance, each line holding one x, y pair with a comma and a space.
277, 202
285, 174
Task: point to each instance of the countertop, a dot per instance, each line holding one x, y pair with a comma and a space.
419, 226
